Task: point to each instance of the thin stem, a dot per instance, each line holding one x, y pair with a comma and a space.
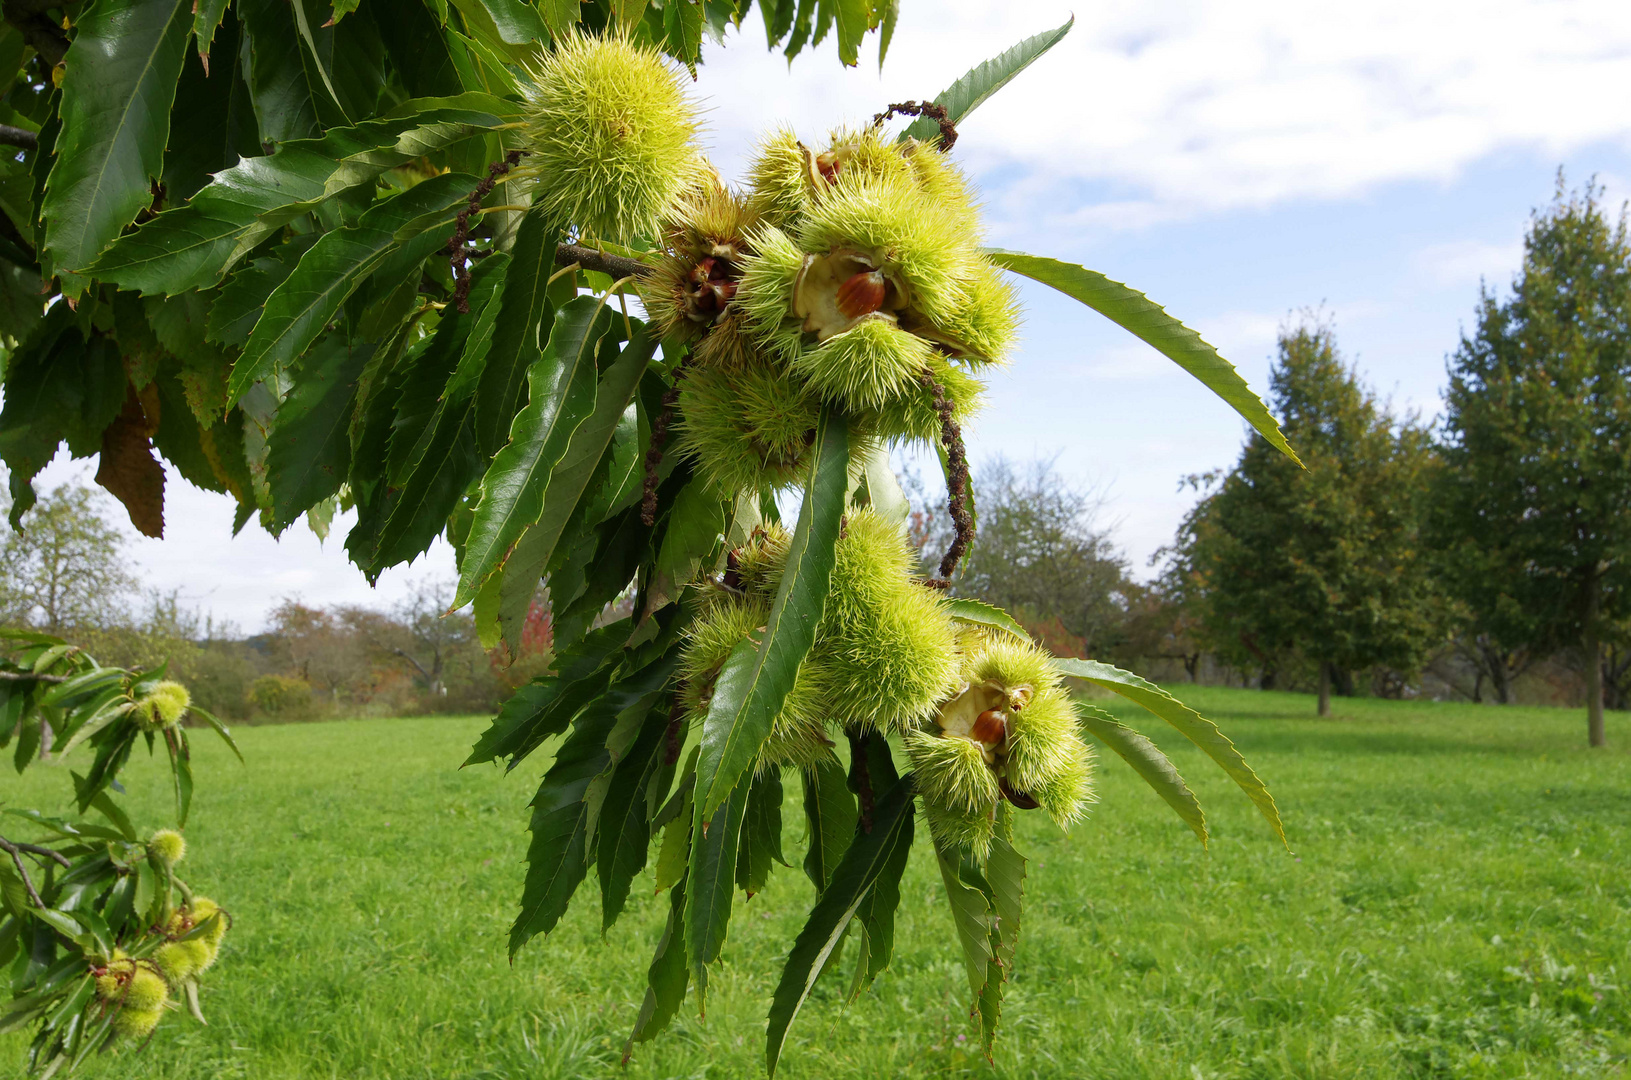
563, 271
16, 136
513, 208
31, 676
615, 266
17, 860
44, 852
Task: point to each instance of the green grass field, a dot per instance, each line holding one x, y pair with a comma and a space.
1458, 904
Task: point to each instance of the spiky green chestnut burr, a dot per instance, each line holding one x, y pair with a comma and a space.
985, 329
689, 292
781, 178
167, 846
131, 1023
867, 366
886, 641
764, 296
972, 830
757, 564
132, 984
1014, 708
1047, 759
748, 428
162, 706
612, 136
797, 735
181, 960
952, 772
922, 257
911, 414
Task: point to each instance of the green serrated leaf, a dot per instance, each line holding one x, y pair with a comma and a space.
1148, 761
970, 914
309, 448
206, 17
982, 614
624, 834
877, 917
968, 93
562, 386
1149, 322
568, 483
122, 71
303, 304
1004, 884
194, 246
1192, 725
869, 856
519, 337
830, 812
276, 72
711, 878
746, 703
690, 535
556, 858
852, 18
431, 460
761, 845
667, 977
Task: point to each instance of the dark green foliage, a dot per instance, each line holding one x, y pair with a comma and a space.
1324, 563
1536, 490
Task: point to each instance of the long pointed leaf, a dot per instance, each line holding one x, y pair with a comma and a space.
973, 611
562, 386
1148, 761
970, 914
830, 812
742, 711
1149, 322
869, 856
120, 81
667, 977
1191, 724
712, 886
556, 858
568, 484
1005, 882
968, 93
193, 246
303, 304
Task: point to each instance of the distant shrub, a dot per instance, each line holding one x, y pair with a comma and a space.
282, 696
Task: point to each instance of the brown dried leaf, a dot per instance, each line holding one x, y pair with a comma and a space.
129, 470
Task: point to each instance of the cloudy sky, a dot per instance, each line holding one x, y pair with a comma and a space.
1238, 162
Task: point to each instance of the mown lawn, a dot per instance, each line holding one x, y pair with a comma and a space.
1458, 904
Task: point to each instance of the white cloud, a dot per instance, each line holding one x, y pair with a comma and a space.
1188, 107
1464, 262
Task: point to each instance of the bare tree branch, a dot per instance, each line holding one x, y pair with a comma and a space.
17, 859
16, 136
590, 259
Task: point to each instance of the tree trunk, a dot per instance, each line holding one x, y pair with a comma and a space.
1593, 648
1325, 688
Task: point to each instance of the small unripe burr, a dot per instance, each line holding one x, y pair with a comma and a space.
612, 134
162, 706
167, 846
131, 1023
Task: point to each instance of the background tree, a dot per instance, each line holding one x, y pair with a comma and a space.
1537, 440
1323, 563
1041, 554
63, 569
